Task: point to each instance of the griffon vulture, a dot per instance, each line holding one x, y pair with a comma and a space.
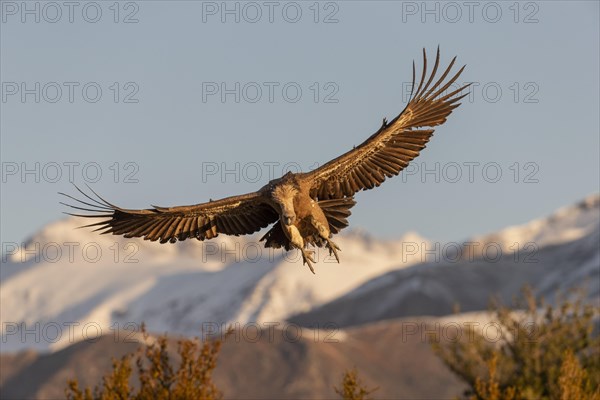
305, 208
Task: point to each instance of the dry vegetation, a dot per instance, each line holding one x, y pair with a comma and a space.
544, 353
352, 388
158, 377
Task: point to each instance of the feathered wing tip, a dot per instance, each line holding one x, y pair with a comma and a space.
425, 93
117, 220
100, 208
429, 104
396, 143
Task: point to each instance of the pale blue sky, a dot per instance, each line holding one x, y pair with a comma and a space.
172, 134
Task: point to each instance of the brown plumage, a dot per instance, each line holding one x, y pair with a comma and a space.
307, 208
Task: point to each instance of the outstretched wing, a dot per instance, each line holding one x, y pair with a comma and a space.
236, 215
389, 150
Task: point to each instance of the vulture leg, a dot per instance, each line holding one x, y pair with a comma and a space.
333, 248
293, 234
325, 234
307, 258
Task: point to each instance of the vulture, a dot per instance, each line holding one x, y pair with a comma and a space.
303, 208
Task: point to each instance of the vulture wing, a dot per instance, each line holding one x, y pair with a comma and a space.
389, 150
236, 215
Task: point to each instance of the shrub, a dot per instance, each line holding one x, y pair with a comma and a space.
352, 388
157, 375
544, 352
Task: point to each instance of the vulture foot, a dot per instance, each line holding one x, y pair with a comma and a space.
333, 249
307, 258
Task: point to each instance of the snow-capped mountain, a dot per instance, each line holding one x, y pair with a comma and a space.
66, 284
552, 255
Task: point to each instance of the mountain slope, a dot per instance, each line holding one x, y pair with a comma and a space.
551, 254
66, 284
298, 366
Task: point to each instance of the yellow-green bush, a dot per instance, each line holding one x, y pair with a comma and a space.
352, 388
545, 352
158, 377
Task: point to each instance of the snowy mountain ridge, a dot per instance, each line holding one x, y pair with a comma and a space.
65, 276
66, 284
564, 225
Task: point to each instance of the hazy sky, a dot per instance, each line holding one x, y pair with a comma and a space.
182, 101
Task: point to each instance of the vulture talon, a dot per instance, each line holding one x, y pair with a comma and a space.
333, 249
307, 258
